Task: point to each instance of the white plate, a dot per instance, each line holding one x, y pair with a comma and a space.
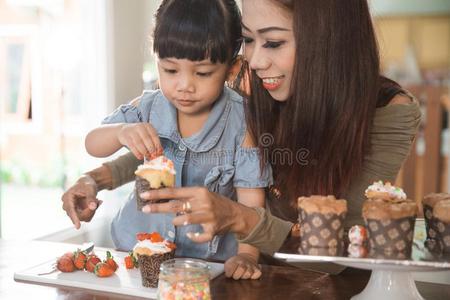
123, 282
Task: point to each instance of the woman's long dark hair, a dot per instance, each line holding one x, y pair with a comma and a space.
325, 124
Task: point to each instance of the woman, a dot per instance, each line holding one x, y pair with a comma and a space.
316, 97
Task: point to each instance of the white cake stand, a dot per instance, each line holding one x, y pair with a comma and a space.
390, 280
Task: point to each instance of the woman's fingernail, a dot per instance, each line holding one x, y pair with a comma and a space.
92, 206
185, 223
147, 209
192, 234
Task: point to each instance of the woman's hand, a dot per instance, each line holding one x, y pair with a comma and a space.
215, 213
141, 138
80, 201
242, 266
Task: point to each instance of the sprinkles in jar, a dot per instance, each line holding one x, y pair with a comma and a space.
184, 278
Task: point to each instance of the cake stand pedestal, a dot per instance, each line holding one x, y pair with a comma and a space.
388, 282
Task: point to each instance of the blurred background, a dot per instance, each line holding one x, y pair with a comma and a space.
65, 64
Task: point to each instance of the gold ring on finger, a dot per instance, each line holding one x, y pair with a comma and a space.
187, 208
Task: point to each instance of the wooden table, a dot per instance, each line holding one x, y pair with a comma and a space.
277, 282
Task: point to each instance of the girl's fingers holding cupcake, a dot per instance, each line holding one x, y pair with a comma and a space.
154, 136
147, 141
140, 146
135, 151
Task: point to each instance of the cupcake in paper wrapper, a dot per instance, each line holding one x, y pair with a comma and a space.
390, 224
149, 267
154, 174
429, 202
321, 220
151, 251
441, 221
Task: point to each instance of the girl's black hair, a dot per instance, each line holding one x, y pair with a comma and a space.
198, 30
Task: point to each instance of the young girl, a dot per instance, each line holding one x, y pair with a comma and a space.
197, 122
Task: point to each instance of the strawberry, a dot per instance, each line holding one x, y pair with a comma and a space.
155, 154
91, 261
140, 236
156, 237
103, 270
69, 255
65, 264
130, 261
171, 245
79, 259
110, 261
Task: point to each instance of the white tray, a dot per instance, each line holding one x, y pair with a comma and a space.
123, 282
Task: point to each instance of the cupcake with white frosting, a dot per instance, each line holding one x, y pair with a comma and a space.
389, 217
151, 250
154, 174
385, 191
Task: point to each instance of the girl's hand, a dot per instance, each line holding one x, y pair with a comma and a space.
141, 138
242, 266
215, 213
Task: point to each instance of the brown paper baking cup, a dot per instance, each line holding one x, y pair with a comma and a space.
143, 185
321, 230
443, 234
394, 235
433, 246
430, 224
149, 267
387, 253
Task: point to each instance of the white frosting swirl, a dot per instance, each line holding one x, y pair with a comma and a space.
393, 191
161, 163
160, 247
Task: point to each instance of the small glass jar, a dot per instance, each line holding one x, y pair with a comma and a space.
184, 278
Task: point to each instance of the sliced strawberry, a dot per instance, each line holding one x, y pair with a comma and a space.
91, 261
79, 259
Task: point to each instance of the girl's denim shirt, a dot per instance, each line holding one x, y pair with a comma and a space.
212, 158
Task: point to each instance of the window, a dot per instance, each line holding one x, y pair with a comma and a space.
15, 79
